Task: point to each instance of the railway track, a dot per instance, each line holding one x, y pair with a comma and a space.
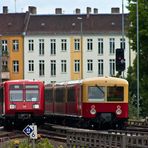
62, 135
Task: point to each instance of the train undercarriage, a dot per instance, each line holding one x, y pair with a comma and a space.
102, 121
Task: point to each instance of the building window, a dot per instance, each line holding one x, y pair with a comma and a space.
89, 65
112, 45
100, 46
122, 43
4, 46
41, 46
16, 66
112, 67
15, 45
77, 44
63, 44
53, 46
31, 45
63, 66
4, 65
89, 44
53, 67
30, 65
100, 67
76, 65
41, 68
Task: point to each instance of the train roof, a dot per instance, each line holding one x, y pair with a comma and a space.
106, 81
22, 80
99, 80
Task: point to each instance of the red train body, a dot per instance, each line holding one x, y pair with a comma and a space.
100, 102
23, 100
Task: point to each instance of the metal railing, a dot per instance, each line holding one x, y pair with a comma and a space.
95, 139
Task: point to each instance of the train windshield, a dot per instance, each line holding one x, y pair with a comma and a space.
115, 93
96, 93
16, 93
32, 92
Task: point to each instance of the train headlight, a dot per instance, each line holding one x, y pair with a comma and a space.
93, 110
118, 110
36, 106
12, 106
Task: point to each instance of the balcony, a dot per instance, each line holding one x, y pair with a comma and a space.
5, 74
5, 53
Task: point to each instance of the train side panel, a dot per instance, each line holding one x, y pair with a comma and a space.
74, 100
59, 100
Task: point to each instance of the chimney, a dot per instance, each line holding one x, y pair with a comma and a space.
32, 10
58, 11
115, 10
78, 11
5, 9
95, 11
88, 10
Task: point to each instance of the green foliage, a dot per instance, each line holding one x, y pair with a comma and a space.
143, 54
44, 143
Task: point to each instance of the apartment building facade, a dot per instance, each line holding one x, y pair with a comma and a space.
61, 47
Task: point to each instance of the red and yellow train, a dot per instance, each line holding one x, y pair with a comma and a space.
21, 100
100, 102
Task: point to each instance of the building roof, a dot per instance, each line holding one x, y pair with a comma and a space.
70, 24
12, 23
20, 23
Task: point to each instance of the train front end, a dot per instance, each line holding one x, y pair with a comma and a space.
24, 101
105, 102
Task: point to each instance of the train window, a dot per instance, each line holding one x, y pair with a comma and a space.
16, 86
32, 95
71, 94
16, 95
49, 95
59, 95
96, 93
31, 86
115, 93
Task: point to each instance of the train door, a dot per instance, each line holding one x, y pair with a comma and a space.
60, 101
48, 100
71, 100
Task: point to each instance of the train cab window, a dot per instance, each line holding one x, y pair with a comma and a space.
96, 93
115, 93
32, 95
16, 95
16, 92
32, 92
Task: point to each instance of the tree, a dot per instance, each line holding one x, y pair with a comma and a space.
143, 51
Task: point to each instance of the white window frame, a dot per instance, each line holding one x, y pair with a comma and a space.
112, 67
100, 46
41, 47
53, 68
30, 65
63, 66
89, 65
112, 45
41, 67
100, 67
76, 66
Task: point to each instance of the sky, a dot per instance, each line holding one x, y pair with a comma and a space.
68, 6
